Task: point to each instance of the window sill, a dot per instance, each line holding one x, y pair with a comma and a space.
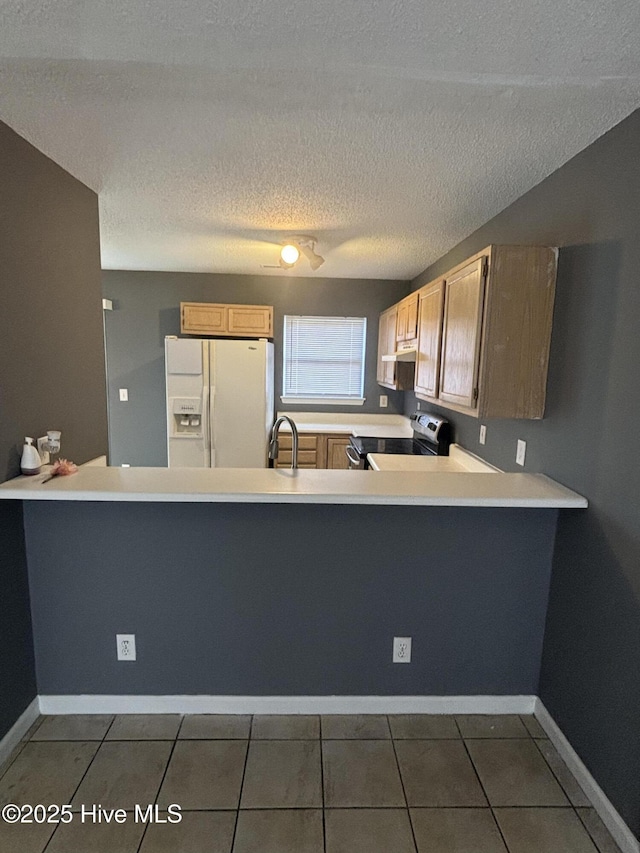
325, 401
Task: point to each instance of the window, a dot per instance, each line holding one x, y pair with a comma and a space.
323, 360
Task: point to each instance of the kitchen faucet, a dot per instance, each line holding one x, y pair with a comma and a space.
273, 440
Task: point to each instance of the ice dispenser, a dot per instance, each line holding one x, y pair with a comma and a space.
187, 417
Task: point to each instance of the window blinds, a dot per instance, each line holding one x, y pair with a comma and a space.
323, 357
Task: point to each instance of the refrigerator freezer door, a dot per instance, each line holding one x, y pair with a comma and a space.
187, 368
241, 402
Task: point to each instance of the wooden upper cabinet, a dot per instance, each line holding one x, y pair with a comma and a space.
382, 348
202, 318
430, 301
395, 375
252, 320
516, 338
483, 334
407, 329
240, 321
461, 334
496, 333
390, 366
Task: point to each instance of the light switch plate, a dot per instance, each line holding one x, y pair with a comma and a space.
124, 395
483, 434
521, 451
384, 401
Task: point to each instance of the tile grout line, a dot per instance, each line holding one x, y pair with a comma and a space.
244, 771
595, 843
164, 776
404, 793
11, 759
33, 728
324, 822
557, 778
93, 758
486, 796
566, 793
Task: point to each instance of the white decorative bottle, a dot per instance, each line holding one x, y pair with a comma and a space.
30, 461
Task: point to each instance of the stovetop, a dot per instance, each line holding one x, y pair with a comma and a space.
364, 444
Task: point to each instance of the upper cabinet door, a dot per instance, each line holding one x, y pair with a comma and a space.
401, 323
407, 324
430, 305
251, 320
411, 331
390, 366
203, 318
462, 327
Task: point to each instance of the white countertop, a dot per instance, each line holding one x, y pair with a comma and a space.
376, 426
264, 485
459, 461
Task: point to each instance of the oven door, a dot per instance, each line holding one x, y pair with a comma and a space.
355, 460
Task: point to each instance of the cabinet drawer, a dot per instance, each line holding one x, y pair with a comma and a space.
305, 442
306, 458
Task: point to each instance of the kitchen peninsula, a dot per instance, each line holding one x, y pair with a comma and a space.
256, 583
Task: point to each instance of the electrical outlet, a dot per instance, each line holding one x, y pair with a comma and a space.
126, 646
384, 401
521, 451
124, 395
402, 649
483, 434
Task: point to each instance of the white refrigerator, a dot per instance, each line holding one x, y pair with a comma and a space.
219, 402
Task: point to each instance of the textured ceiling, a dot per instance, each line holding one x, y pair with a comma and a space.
390, 130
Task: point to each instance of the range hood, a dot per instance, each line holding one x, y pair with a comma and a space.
406, 354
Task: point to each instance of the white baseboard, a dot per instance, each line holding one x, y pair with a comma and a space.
18, 730
287, 704
622, 835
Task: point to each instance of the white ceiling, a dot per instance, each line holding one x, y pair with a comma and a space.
390, 130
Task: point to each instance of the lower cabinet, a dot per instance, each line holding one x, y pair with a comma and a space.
336, 454
307, 451
315, 450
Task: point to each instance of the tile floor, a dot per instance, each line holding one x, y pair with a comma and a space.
300, 784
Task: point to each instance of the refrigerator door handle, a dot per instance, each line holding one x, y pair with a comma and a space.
211, 431
205, 419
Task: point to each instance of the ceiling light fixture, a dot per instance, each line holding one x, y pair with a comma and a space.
289, 254
294, 247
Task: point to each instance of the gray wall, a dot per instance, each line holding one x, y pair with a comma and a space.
51, 362
588, 440
146, 308
258, 599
